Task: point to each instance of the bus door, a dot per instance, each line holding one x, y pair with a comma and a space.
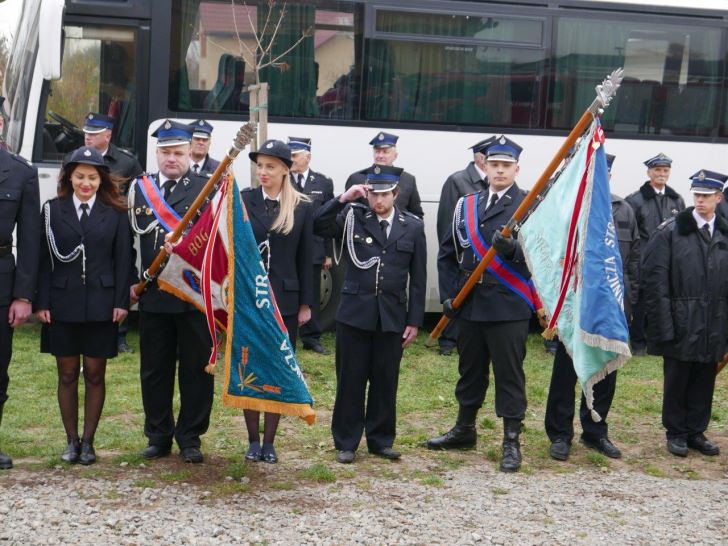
104, 69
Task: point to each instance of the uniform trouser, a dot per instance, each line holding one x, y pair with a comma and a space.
162, 336
363, 356
6, 352
449, 337
503, 343
311, 331
687, 397
123, 328
291, 322
559, 419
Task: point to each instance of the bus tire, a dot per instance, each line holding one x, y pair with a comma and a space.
331, 283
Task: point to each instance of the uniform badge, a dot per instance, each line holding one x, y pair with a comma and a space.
674, 212
269, 145
502, 140
381, 136
368, 240
148, 211
185, 181
138, 210
201, 123
87, 153
90, 116
377, 170
168, 125
701, 176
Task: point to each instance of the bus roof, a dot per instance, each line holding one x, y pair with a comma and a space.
708, 5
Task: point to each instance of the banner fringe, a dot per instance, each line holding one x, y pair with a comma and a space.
304, 411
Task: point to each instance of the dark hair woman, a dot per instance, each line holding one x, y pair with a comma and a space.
83, 289
282, 223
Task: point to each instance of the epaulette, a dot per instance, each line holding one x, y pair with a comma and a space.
362, 206
411, 215
20, 159
126, 152
666, 223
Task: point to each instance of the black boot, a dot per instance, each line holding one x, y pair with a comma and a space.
6, 463
461, 436
511, 460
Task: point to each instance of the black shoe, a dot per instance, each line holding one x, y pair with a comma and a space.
155, 452
191, 455
345, 457
560, 449
700, 443
511, 460
254, 453
88, 455
6, 463
123, 346
458, 437
386, 453
603, 446
677, 446
316, 348
269, 454
70, 454
446, 351
639, 350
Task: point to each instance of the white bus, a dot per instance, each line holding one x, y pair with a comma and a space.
441, 74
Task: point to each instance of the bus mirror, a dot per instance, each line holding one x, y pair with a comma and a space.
49, 38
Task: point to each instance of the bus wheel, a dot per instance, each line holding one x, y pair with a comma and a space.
331, 282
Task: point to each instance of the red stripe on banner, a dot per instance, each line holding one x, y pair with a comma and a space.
159, 204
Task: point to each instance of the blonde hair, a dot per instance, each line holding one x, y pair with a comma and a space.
289, 200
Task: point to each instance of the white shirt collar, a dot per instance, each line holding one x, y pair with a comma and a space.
499, 193
77, 204
106, 151
389, 220
702, 221
658, 192
266, 196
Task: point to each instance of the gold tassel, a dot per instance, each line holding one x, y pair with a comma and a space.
210, 368
549, 333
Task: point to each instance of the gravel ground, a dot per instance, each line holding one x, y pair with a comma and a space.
472, 505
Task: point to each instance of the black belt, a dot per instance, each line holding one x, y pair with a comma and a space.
6, 250
484, 278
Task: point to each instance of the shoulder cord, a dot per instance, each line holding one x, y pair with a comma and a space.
132, 217
53, 248
349, 237
265, 247
457, 234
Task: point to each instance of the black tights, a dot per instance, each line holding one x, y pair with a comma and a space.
94, 372
270, 426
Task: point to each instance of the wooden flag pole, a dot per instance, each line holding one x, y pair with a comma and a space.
242, 139
605, 93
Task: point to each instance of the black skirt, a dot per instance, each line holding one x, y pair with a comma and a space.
94, 339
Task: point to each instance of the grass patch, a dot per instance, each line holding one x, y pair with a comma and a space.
237, 470
318, 473
597, 459
143, 483
432, 480
499, 491
176, 476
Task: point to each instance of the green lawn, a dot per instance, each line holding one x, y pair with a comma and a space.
32, 432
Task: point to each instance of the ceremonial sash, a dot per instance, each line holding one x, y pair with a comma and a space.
497, 267
165, 214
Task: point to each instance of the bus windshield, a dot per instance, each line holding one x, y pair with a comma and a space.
19, 74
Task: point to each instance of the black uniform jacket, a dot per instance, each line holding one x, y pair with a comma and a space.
457, 184
685, 281
723, 205
209, 166
648, 211
320, 188
629, 248
490, 300
408, 198
107, 240
403, 258
291, 268
19, 204
185, 192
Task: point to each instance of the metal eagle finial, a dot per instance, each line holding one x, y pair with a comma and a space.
608, 88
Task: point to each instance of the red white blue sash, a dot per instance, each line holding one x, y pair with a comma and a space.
167, 216
497, 267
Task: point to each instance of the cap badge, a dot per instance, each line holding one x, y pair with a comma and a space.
90, 116
701, 176
502, 140
269, 145
87, 153
168, 125
202, 123
381, 136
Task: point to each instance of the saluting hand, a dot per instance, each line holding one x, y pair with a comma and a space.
354, 193
44, 315
119, 314
409, 335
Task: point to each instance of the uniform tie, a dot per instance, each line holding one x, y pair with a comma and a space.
384, 225
84, 215
196, 168
493, 201
167, 187
300, 181
705, 232
271, 206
